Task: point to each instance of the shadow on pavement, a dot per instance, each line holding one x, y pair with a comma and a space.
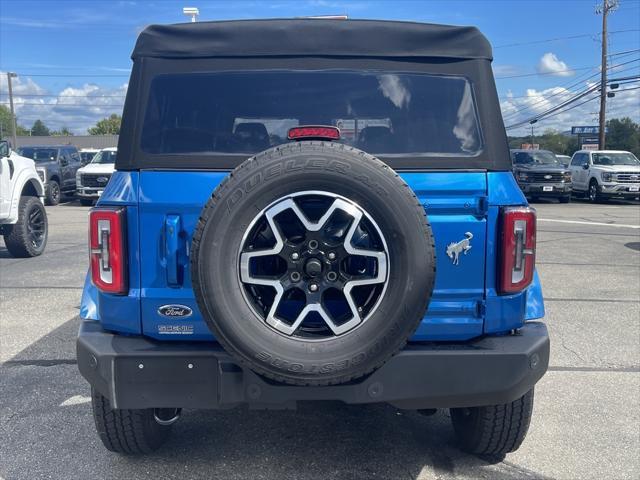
320, 440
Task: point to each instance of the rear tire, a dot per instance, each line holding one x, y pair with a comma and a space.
493, 430
28, 237
53, 194
131, 432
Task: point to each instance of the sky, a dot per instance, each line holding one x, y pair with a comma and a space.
72, 57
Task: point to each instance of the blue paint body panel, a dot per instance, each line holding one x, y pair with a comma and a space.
161, 221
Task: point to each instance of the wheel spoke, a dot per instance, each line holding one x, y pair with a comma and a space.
317, 267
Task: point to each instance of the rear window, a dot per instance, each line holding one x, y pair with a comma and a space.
247, 112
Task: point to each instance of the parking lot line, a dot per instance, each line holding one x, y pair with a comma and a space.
577, 222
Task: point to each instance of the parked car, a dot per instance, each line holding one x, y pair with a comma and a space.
92, 178
565, 160
539, 174
392, 262
23, 219
603, 174
87, 154
57, 166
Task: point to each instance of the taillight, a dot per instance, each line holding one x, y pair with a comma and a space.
107, 249
314, 131
517, 249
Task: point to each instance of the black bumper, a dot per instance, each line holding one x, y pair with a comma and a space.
135, 372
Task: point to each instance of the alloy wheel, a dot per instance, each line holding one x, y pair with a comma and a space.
313, 265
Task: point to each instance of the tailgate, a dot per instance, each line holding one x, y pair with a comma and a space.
169, 207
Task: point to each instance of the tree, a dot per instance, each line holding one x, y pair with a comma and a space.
5, 124
39, 129
63, 132
107, 126
623, 134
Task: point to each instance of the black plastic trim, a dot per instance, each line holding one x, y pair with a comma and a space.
136, 372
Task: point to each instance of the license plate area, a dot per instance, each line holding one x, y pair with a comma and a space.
634, 189
547, 189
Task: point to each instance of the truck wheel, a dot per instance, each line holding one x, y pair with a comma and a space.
28, 237
52, 196
594, 192
565, 199
132, 432
493, 430
313, 263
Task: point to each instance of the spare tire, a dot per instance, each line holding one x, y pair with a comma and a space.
313, 263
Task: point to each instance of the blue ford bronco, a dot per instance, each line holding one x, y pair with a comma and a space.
312, 209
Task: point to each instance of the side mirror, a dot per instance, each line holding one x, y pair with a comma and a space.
5, 149
585, 166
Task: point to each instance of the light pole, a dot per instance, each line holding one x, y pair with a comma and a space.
11, 75
192, 12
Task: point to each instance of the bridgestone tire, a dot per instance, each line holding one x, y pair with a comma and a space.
493, 430
17, 238
132, 432
283, 171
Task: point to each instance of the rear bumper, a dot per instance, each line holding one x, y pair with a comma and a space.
135, 372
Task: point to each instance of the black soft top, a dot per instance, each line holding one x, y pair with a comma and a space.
311, 37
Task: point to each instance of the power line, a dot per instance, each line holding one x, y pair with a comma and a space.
578, 82
568, 37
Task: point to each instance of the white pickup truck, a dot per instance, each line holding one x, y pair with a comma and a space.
23, 219
604, 174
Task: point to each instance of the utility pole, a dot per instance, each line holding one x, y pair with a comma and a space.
11, 75
604, 9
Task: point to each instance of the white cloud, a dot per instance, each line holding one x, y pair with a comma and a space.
550, 63
77, 108
516, 109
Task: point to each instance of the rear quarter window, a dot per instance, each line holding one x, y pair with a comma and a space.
250, 111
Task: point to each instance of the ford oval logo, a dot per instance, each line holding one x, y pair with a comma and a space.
547, 177
173, 311
102, 179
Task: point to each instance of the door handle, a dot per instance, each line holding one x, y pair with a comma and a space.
172, 245
11, 168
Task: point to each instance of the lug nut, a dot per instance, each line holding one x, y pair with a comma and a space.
331, 255
295, 256
313, 287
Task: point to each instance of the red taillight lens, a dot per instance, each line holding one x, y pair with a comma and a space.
107, 249
321, 132
517, 249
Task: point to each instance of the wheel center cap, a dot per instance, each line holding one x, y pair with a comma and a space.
313, 267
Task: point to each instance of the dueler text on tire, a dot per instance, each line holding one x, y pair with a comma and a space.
28, 237
313, 263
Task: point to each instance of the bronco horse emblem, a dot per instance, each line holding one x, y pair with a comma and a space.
454, 249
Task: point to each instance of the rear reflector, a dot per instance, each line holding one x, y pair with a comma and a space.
107, 249
314, 131
517, 249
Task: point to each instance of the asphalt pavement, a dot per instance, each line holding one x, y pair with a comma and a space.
586, 420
